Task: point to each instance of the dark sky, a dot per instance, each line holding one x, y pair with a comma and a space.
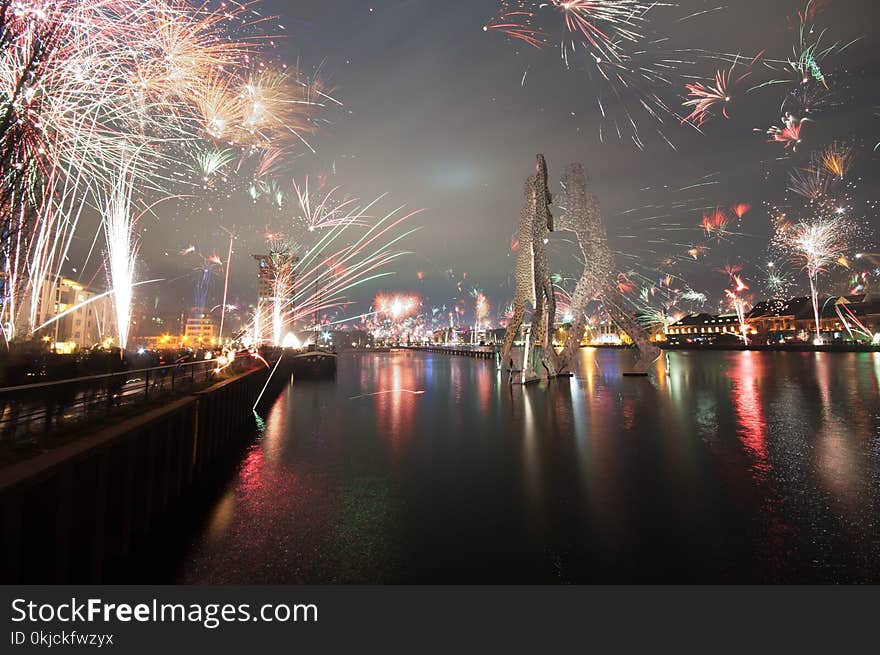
435, 114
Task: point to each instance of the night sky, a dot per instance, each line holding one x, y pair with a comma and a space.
436, 113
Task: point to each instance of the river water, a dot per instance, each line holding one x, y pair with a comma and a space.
420, 468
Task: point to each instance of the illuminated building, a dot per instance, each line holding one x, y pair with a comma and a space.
80, 321
705, 328
265, 278
199, 328
841, 318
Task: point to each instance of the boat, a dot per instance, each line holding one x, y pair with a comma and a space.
314, 363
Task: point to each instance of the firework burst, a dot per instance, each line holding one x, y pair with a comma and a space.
703, 98
396, 306
615, 43
716, 223
344, 257
789, 134
816, 245
837, 159
812, 183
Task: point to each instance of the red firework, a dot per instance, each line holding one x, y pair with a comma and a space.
741, 209
703, 97
517, 25
715, 223
789, 134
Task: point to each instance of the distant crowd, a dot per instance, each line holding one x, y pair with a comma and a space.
24, 366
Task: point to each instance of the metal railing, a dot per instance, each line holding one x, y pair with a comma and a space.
35, 411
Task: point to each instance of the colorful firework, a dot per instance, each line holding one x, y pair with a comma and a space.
741, 209
326, 210
517, 24
806, 64
715, 223
689, 295
396, 306
211, 162
615, 43
481, 310
837, 159
789, 134
703, 98
97, 92
816, 245
738, 301
308, 285
812, 183
778, 284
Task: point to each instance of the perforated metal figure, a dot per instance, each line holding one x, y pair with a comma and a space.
583, 216
532, 278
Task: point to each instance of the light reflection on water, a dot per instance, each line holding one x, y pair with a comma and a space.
734, 467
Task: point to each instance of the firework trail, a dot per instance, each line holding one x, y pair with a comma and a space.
616, 44
738, 302
517, 23
812, 182
327, 211
338, 262
122, 246
283, 262
481, 310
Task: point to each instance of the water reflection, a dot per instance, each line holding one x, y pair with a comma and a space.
395, 387
749, 410
734, 467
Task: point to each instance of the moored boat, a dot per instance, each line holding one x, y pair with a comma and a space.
314, 363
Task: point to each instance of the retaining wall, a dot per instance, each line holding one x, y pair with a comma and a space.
66, 513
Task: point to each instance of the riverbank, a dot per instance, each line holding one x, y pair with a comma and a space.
487, 352
69, 513
782, 347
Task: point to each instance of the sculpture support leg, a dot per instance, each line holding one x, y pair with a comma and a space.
646, 352
512, 330
548, 353
579, 299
